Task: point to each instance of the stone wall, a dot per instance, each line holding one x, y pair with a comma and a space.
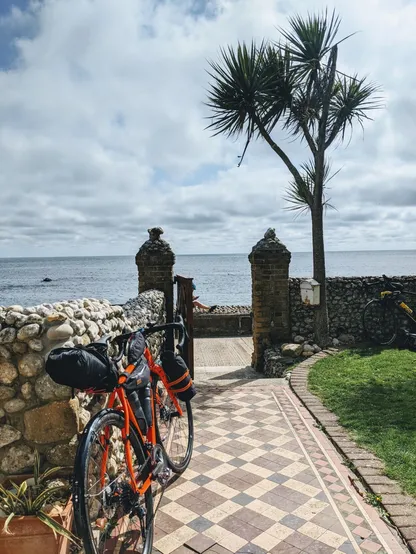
226, 321
346, 297
34, 411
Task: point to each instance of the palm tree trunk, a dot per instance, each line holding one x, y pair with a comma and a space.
319, 274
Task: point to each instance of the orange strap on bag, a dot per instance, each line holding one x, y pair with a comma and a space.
181, 378
189, 385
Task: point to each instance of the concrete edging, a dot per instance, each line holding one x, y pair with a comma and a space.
400, 507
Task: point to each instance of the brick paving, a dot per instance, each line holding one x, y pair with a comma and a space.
264, 480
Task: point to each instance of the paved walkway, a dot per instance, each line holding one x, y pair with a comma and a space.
224, 361
221, 352
264, 479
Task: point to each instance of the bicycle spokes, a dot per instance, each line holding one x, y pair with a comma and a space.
116, 511
173, 424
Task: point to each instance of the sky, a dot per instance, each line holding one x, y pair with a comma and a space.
102, 130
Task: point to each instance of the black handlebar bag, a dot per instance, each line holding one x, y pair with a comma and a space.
82, 368
180, 381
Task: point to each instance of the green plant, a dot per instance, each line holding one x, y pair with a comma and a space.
294, 83
31, 499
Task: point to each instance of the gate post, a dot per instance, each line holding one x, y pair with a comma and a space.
270, 261
155, 261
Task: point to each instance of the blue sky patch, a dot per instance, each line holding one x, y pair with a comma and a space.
12, 28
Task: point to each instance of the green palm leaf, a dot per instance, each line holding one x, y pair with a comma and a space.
280, 86
310, 39
351, 101
300, 195
235, 93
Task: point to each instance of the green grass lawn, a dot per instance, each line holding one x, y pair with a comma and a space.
373, 392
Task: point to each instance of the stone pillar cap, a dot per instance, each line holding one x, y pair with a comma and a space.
155, 245
269, 244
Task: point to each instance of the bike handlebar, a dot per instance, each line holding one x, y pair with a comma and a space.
121, 340
387, 282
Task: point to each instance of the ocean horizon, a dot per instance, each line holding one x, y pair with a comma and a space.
220, 278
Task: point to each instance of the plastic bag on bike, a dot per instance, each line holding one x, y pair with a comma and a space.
180, 381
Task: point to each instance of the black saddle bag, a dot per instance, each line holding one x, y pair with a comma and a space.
180, 380
82, 368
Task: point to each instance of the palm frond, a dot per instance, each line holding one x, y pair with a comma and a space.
300, 195
235, 93
351, 100
280, 86
304, 112
310, 39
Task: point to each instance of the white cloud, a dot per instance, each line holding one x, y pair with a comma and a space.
102, 131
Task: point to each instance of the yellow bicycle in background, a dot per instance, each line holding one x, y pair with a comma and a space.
382, 316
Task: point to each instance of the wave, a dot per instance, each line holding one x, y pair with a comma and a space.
26, 286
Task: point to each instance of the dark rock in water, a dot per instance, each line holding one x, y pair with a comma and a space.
47, 280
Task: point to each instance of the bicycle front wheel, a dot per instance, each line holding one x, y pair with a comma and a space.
380, 322
175, 433
109, 515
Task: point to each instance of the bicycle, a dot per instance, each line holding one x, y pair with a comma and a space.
380, 316
132, 444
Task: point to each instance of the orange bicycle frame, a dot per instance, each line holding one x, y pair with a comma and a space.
130, 419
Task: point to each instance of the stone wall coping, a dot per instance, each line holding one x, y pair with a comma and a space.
225, 311
400, 506
356, 278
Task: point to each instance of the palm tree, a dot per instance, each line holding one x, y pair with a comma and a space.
294, 84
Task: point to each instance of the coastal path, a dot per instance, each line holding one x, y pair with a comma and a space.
263, 478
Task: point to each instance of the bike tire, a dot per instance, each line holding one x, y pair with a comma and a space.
383, 332
83, 525
178, 462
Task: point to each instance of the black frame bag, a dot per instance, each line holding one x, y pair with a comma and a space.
177, 372
82, 368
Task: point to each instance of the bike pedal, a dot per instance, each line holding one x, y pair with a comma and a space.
164, 477
159, 468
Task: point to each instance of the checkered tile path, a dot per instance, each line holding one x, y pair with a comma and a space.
259, 483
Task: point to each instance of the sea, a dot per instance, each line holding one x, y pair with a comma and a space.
220, 279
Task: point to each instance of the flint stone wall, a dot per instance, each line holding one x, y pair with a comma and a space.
36, 413
223, 324
346, 297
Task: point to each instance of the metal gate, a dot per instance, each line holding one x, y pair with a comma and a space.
185, 307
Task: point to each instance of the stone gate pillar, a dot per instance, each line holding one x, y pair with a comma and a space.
270, 261
155, 261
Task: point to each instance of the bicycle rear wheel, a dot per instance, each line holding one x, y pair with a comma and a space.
380, 322
109, 515
174, 433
